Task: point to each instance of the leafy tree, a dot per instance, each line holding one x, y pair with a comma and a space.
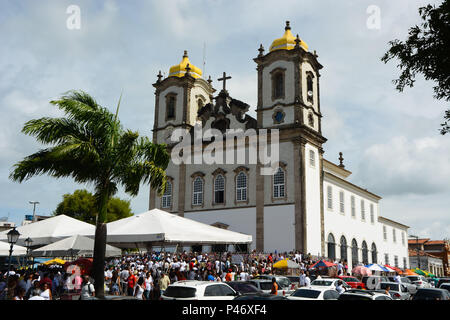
426, 52
81, 205
90, 145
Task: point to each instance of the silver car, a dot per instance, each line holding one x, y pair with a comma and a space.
420, 282
398, 291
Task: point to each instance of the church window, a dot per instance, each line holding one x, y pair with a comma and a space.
311, 120
396, 261
278, 117
374, 253
386, 258
197, 196
241, 187
330, 197
171, 100
363, 211
219, 189
331, 247
384, 233
343, 248
403, 238
394, 236
341, 202
279, 184
166, 201
309, 86
365, 253
372, 214
355, 249
312, 158
278, 83
352, 200
404, 263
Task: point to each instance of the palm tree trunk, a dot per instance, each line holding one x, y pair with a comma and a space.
100, 247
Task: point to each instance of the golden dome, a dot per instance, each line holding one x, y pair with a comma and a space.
180, 69
287, 41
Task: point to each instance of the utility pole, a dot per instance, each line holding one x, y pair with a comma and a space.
417, 249
34, 203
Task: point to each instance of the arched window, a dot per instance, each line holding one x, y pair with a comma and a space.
166, 201
197, 195
241, 187
170, 106
278, 82
309, 86
365, 253
279, 184
331, 247
219, 189
355, 249
374, 253
311, 120
343, 243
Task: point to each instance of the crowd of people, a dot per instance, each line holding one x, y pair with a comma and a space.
146, 275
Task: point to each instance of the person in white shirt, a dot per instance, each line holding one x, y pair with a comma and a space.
307, 281
87, 289
302, 278
397, 278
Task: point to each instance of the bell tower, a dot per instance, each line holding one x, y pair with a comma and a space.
288, 84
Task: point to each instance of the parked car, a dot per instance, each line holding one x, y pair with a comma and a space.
262, 284
398, 290
412, 288
446, 286
352, 282
356, 294
419, 281
243, 287
285, 286
259, 296
198, 290
431, 294
372, 282
441, 281
295, 281
317, 293
329, 283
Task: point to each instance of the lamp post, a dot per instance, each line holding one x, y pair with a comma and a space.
28, 244
34, 203
13, 236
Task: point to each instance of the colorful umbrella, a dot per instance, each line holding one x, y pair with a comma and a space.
420, 272
322, 264
394, 269
409, 272
286, 264
54, 261
376, 267
362, 271
85, 265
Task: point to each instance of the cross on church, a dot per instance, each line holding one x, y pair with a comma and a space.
224, 79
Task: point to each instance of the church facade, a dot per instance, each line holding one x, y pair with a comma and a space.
308, 203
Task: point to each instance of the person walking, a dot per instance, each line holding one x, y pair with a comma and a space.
87, 289
307, 280
131, 283
139, 290
164, 282
148, 285
46, 291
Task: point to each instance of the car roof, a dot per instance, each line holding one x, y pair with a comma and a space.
193, 283
389, 282
316, 288
261, 280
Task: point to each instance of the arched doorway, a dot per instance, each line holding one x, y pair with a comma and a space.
331, 247
343, 243
355, 259
374, 253
365, 253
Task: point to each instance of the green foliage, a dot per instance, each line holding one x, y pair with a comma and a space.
81, 205
426, 52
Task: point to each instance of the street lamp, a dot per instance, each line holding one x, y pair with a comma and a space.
28, 244
34, 203
13, 236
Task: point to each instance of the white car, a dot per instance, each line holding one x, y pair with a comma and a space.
199, 290
420, 282
315, 293
330, 283
364, 295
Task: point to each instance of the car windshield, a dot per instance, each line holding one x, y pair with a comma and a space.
265, 285
406, 280
353, 297
180, 292
350, 280
392, 286
305, 293
414, 278
284, 282
321, 283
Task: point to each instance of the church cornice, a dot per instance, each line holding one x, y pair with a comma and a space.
294, 55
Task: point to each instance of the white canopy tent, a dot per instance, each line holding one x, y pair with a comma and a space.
77, 245
50, 230
17, 250
159, 227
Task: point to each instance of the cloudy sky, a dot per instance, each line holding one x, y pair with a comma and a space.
390, 140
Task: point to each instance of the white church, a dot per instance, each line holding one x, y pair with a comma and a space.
308, 204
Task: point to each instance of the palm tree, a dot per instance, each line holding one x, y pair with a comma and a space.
90, 145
